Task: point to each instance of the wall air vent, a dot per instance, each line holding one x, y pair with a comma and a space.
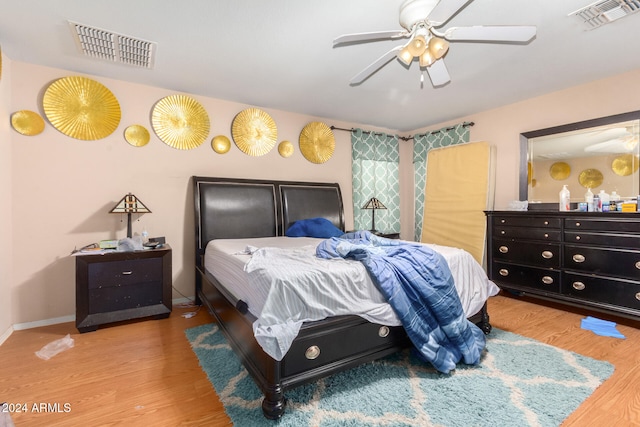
113, 47
604, 12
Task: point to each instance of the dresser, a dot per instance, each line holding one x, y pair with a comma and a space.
579, 258
120, 286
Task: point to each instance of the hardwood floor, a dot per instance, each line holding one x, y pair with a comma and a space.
145, 374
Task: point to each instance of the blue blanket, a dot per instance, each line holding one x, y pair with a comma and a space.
418, 284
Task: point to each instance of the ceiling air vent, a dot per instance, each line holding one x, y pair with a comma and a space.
113, 47
603, 12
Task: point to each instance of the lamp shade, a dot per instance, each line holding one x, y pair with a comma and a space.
405, 56
438, 47
130, 204
373, 204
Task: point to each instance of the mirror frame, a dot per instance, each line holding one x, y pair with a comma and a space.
524, 150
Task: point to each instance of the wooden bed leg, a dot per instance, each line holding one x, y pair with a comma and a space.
484, 323
274, 402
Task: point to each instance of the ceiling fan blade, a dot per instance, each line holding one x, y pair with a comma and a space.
498, 33
374, 36
444, 10
438, 73
377, 64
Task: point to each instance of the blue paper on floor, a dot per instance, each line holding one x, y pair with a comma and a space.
601, 327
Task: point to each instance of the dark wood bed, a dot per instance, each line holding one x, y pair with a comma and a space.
241, 208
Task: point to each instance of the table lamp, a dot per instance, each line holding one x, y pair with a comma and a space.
129, 204
373, 204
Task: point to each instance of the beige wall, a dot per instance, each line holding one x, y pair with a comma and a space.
63, 188
502, 126
6, 248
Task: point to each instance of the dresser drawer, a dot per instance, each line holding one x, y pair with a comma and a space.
600, 289
538, 278
546, 234
606, 262
531, 253
605, 224
631, 241
522, 221
124, 273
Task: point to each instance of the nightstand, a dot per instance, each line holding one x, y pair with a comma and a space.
118, 286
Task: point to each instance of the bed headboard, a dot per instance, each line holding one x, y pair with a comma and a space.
228, 208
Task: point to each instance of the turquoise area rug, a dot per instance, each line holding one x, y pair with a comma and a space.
519, 382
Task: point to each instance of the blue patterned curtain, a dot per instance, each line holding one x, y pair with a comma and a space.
444, 137
375, 161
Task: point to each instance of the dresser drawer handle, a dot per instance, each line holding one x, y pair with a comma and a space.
503, 249
578, 286
312, 352
547, 254
503, 232
577, 237
127, 273
546, 235
383, 331
502, 221
504, 272
578, 224
547, 280
638, 296
638, 265
578, 258
546, 223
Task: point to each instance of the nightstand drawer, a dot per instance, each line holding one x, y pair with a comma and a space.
124, 273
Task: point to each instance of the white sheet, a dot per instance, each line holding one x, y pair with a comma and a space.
327, 288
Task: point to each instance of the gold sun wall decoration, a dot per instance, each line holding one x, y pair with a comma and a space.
27, 122
137, 135
180, 122
254, 132
81, 108
317, 142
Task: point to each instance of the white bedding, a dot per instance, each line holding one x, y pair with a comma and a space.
327, 288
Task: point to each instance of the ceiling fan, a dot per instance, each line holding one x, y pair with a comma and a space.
420, 20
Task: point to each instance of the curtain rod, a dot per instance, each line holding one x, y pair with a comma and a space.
406, 138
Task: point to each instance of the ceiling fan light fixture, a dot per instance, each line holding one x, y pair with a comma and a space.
417, 45
426, 59
438, 47
405, 56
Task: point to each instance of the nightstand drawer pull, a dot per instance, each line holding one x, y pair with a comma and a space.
503, 232
126, 273
312, 352
578, 258
577, 237
502, 221
546, 235
638, 296
546, 223
547, 254
383, 331
638, 265
503, 249
547, 280
578, 224
504, 272
578, 286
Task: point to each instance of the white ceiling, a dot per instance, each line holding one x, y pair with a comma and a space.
278, 54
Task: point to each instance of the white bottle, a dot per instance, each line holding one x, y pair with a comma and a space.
565, 199
614, 200
604, 199
588, 197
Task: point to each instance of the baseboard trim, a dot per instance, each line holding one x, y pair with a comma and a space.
63, 319
6, 334
45, 322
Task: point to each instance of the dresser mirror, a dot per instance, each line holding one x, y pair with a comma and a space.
601, 154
